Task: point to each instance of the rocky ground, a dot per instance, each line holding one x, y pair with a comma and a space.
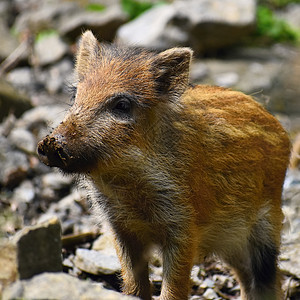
38, 41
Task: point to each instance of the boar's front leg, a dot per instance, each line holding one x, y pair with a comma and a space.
134, 265
178, 258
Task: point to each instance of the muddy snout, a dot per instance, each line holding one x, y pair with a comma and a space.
52, 151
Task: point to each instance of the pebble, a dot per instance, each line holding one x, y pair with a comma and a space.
56, 180
20, 77
23, 140
96, 262
210, 294
228, 79
50, 49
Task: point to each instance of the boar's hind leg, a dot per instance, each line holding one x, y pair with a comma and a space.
256, 268
134, 264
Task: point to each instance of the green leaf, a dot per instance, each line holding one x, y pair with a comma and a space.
95, 7
134, 8
45, 33
276, 30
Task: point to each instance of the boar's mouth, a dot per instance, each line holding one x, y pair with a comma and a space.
53, 152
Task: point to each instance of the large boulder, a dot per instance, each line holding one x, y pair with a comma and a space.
202, 24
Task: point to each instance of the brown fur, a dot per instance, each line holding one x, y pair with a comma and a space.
196, 170
295, 155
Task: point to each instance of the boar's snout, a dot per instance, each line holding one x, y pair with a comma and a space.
52, 151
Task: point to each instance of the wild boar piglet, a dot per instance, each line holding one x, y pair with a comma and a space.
194, 170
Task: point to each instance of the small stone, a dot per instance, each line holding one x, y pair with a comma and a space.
96, 262
56, 181
59, 75
210, 294
23, 140
105, 242
14, 164
207, 283
20, 77
50, 49
12, 101
198, 72
40, 118
22, 197
8, 259
228, 79
194, 275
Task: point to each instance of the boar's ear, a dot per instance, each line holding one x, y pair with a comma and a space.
171, 68
87, 54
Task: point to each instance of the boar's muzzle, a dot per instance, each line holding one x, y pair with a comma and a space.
53, 153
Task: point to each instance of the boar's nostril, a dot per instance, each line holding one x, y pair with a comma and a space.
52, 152
40, 150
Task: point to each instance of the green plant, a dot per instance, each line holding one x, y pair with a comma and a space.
95, 7
277, 3
134, 8
45, 33
272, 28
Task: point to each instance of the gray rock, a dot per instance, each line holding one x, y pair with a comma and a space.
96, 262
39, 249
139, 33
59, 75
8, 259
42, 118
68, 210
56, 181
286, 87
23, 139
104, 24
21, 77
23, 196
105, 242
198, 71
227, 79
50, 49
12, 101
14, 164
202, 24
31, 251
252, 71
60, 286
290, 250
210, 294
43, 15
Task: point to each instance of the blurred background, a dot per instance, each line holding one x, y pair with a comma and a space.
247, 45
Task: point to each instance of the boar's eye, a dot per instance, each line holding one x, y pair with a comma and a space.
122, 107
